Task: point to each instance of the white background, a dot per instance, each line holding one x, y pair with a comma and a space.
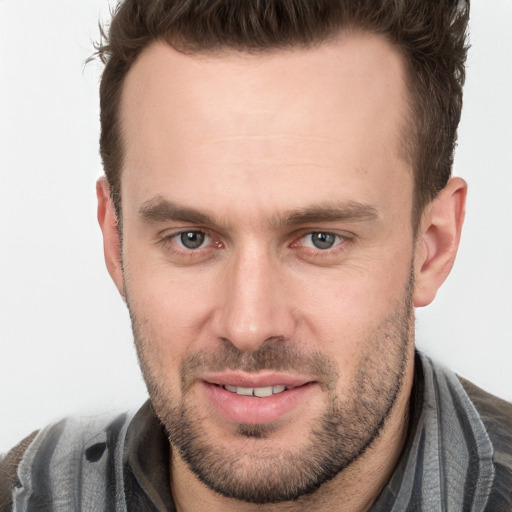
65, 339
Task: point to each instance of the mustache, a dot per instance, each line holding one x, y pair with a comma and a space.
275, 354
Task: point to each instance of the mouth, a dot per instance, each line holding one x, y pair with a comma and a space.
260, 392
257, 399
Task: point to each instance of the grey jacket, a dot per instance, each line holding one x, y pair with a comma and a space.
457, 457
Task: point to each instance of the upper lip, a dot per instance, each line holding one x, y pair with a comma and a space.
256, 380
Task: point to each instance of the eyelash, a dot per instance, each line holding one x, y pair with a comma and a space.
170, 242
339, 239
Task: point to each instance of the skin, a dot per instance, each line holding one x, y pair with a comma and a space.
251, 143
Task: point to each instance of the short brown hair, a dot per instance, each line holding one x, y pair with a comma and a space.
429, 34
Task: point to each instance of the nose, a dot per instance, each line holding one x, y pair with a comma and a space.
254, 307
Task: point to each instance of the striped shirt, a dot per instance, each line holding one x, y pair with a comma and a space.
457, 457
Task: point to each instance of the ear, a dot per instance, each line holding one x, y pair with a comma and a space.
438, 240
111, 241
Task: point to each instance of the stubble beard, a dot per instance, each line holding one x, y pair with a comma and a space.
347, 427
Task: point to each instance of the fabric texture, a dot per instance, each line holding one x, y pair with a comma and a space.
457, 457
8, 470
447, 463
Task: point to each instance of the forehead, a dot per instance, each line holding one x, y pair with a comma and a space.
260, 122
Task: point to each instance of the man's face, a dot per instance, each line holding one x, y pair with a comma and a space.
267, 250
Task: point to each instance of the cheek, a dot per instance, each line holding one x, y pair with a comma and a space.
336, 310
346, 309
171, 306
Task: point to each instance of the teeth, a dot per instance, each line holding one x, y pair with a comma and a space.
262, 392
244, 391
259, 392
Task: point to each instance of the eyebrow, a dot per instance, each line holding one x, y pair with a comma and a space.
329, 212
160, 210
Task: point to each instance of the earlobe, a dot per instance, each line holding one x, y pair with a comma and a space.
111, 241
438, 240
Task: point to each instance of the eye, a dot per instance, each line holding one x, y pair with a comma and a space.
321, 240
192, 239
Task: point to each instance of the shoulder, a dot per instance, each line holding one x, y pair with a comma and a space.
52, 459
8, 470
496, 415
495, 412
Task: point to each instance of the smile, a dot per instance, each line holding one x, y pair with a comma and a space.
260, 392
257, 402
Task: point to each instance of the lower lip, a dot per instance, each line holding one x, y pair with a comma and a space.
254, 410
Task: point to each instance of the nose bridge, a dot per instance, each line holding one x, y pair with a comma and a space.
253, 309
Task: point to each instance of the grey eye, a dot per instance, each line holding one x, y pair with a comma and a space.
322, 240
192, 239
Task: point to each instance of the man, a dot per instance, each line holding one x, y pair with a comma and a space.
277, 200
